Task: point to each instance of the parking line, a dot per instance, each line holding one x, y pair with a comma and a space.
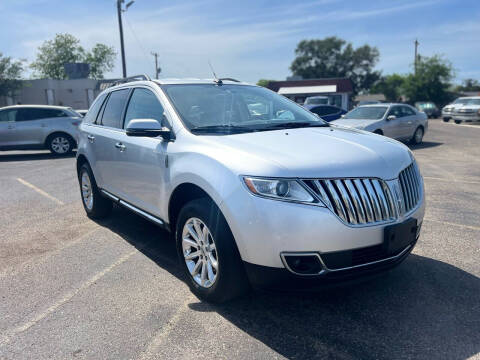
470, 227
7, 337
40, 191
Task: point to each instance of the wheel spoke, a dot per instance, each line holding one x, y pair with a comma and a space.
192, 255
190, 243
211, 275
193, 233
204, 273
213, 261
196, 268
198, 230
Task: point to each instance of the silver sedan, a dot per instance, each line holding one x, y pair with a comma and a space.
398, 121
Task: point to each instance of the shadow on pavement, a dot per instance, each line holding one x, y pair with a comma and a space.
423, 309
5, 157
425, 145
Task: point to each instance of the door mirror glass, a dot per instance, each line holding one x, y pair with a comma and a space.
391, 117
148, 128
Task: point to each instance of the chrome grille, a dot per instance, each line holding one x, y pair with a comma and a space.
410, 185
356, 201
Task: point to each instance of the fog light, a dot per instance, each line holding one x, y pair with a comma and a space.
303, 264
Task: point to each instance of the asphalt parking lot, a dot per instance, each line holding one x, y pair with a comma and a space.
74, 288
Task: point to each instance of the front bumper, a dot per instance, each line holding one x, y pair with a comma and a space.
466, 117
264, 229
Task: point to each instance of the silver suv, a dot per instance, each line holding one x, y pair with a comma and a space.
26, 127
256, 189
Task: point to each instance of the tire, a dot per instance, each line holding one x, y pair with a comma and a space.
378, 132
228, 280
60, 144
446, 119
458, 121
96, 206
417, 136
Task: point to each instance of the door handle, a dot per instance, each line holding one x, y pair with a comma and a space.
91, 138
120, 146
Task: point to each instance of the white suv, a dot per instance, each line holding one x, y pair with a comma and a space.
256, 189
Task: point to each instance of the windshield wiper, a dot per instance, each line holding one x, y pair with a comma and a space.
221, 129
296, 124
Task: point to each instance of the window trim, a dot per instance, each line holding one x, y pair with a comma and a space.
153, 93
104, 105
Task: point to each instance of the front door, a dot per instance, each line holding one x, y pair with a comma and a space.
392, 128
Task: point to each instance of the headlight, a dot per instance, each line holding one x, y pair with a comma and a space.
280, 189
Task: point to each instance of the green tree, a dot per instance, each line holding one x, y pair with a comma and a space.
263, 82
468, 85
334, 57
10, 73
430, 82
391, 86
65, 48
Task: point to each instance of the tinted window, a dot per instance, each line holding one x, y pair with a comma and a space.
112, 115
8, 115
27, 114
396, 111
407, 111
91, 115
143, 105
367, 112
324, 110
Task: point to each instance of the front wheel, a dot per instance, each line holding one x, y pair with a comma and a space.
96, 206
61, 144
208, 253
417, 136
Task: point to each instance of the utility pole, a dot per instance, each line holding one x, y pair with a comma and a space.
157, 69
120, 27
416, 56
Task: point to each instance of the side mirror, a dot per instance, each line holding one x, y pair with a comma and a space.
148, 128
391, 117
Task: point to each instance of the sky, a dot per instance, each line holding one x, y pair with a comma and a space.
248, 39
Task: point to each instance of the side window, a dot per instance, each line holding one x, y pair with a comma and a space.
397, 111
26, 114
91, 115
8, 115
330, 110
407, 111
143, 104
112, 115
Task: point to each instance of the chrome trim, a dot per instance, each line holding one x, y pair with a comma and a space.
141, 212
352, 218
340, 210
370, 217
326, 270
111, 196
356, 200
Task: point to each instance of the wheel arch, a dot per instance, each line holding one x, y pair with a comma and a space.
81, 159
378, 131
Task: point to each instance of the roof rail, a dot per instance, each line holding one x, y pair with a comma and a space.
131, 78
229, 79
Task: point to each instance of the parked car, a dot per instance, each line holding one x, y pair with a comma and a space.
449, 109
272, 198
82, 112
428, 108
398, 121
326, 112
27, 127
368, 102
316, 100
469, 111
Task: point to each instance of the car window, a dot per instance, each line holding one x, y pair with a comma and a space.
324, 110
407, 111
112, 115
143, 104
27, 114
8, 115
91, 114
396, 111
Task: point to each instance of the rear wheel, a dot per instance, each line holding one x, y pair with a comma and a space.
96, 206
60, 144
417, 136
458, 121
208, 253
446, 119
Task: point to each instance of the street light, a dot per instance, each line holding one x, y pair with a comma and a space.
120, 26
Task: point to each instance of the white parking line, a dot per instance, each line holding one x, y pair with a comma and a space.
7, 336
40, 191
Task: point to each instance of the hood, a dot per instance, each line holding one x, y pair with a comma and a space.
452, 106
309, 153
355, 123
468, 107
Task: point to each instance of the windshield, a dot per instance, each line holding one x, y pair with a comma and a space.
367, 113
426, 105
459, 101
316, 101
211, 108
471, 102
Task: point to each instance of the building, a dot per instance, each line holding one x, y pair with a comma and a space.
76, 93
338, 90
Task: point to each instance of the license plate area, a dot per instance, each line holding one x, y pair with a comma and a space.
396, 237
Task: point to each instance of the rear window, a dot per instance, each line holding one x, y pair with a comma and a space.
367, 113
112, 115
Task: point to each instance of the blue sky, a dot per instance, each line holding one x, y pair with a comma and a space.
248, 39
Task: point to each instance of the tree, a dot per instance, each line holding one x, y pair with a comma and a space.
391, 86
334, 57
468, 85
10, 74
264, 82
65, 48
430, 82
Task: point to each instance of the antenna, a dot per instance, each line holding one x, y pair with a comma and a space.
216, 79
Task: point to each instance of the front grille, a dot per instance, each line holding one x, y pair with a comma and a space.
356, 201
409, 180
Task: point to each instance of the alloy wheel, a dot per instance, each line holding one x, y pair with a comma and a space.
418, 135
60, 145
199, 252
87, 194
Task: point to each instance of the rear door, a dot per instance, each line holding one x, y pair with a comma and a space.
408, 123
392, 128
7, 127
